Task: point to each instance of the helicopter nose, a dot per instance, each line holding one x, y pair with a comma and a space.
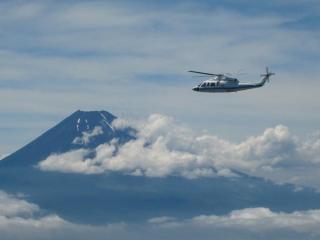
195, 89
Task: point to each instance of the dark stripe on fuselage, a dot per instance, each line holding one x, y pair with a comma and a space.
233, 89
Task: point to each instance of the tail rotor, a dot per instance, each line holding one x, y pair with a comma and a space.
267, 75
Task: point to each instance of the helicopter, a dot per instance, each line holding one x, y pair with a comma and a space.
224, 83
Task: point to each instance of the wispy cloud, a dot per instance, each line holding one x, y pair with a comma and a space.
252, 219
87, 136
12, 206
2, 156
60, 54
251, 223
20, 219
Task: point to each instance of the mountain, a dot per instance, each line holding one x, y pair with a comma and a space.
116, 197
61, 138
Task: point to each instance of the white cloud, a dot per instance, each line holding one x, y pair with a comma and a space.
71, 162
165, 147
87, 136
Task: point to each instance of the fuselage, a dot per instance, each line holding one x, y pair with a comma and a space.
225, 84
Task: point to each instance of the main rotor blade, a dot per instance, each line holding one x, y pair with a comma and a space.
229, 74
210, 74
200, 76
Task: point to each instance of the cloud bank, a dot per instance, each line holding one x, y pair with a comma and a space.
165, 147
20, 219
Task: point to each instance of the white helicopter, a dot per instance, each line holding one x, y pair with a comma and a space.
223, 83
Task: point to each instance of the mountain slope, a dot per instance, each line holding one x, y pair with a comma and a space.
61, 138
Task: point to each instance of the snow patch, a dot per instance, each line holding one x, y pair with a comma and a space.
78, 122
106, 121
88, 127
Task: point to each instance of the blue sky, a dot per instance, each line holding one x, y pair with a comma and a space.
132, 59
